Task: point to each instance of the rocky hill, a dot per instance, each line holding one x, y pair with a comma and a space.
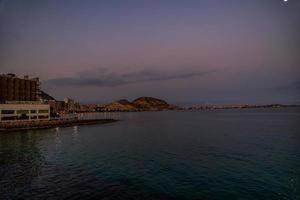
46, 97
121, 105
149, 103
139, 104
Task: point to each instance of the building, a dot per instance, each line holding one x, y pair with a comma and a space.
88, 108
57, 107
20, 99
13, 88
25, 111
71, 105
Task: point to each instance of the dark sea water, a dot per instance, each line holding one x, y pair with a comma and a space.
223, 154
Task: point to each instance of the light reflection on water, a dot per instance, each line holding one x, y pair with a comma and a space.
75, 133
57, 138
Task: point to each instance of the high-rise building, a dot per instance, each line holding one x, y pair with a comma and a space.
20, 99
13, 88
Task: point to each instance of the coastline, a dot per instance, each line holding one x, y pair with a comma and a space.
33, 125
242, 106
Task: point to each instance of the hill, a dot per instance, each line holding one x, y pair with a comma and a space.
46, 97
139, 104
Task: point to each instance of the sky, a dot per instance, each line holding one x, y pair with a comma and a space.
186, 52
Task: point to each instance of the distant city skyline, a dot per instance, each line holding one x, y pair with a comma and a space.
189, 52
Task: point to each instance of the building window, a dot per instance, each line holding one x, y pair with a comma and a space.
33, 117
43, 117
33, 111
8, 118
7, 112
23, 117
43, 111
22, 111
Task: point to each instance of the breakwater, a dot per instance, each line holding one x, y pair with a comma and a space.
26, 125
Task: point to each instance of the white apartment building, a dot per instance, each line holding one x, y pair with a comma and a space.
24, 111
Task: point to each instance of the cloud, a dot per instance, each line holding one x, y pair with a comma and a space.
102, 77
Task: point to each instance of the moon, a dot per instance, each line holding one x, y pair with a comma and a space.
285, 0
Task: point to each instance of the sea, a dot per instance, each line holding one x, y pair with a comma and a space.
247, 154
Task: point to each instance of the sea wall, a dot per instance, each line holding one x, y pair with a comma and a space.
26, 125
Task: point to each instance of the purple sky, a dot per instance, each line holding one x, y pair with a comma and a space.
204, 51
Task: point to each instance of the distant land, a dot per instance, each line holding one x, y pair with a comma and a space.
139, 104
154, 104
242, 106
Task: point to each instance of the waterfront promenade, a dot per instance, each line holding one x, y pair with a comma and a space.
64, 121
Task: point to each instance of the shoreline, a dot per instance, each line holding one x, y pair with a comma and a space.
34, 125
200, 108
